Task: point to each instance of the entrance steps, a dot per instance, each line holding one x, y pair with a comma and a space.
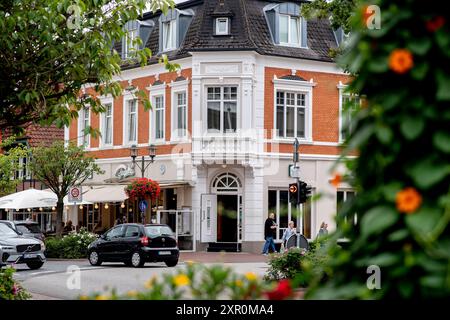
224, 246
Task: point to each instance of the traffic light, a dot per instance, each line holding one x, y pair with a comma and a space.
304, 191
293, 193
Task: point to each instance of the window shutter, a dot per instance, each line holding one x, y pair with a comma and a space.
304, 32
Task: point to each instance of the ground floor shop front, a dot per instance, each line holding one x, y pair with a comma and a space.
216, 207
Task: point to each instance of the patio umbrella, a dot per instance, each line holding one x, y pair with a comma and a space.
32, 198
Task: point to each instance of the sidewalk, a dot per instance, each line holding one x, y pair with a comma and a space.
222, 257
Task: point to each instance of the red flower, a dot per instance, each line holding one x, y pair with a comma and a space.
143, 188
435, 23
282, 291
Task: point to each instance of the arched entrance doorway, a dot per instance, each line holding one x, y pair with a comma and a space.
222, 210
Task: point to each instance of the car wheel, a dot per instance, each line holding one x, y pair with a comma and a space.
171, 263
94, 258
136, 260
33, 265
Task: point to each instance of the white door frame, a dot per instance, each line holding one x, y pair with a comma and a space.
208, 212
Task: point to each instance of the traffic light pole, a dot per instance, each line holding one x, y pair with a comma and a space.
299, 206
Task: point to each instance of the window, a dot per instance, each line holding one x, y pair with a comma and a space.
107, 124
23, 171
349, 106
169, 35
343, 198
131, 121
117, 232
289, 30
222, 109
132, 231
85, 120
181, 114
159, 117
222, 26
130, 46
278, 203
290, 114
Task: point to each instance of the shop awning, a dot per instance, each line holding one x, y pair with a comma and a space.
105, 193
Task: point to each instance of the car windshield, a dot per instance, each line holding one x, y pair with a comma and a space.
28, 228
6, 231
156, 231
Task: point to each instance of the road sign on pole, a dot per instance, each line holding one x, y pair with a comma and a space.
143, 205
75, 195
294, 171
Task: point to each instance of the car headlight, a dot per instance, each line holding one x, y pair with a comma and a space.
6, 247
42, 246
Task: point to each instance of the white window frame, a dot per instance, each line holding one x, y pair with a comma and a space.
130, 47
126, 100
342, 93
84, 139
222, 102
294, 86
102, 126
175, 136
23, 173
173, 35
346, 191
227, 26
289, 43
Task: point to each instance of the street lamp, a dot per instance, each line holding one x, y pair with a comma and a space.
142, 166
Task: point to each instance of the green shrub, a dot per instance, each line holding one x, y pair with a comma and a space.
10, 289
71, 246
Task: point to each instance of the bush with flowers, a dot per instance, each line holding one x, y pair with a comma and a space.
201, 282
143, 188
402, 171
9, 288
71, 246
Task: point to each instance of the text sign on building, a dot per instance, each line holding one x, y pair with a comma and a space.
294, 172
75, 194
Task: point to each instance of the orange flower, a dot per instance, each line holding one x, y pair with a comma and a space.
408, 200
400, 60
336, 180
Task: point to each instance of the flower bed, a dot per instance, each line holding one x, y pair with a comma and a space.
10, 289
71, 246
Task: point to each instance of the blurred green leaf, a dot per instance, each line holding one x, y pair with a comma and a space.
377, 219
426, 173
424, 220
441, 140
443, 83
412, 127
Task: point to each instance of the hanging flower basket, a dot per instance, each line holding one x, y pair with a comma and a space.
143, 188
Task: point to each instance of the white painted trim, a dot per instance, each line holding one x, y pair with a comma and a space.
293, 83
174, 109
80, 135
227, 31
156, 91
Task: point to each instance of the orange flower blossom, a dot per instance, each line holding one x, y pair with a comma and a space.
408, 200
400, 61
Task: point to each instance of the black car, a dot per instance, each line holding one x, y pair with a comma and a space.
135, 244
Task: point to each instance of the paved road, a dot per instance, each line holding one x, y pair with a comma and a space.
53, 280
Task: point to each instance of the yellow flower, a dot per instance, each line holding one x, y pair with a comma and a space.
84, 297
181, 280
101, 297
251, 276
408, 200
189, 262
132, 293
149, 283
238, 283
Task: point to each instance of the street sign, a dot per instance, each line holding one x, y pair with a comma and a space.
294, 172
143, 205
75, 194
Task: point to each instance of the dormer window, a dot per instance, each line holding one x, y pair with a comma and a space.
287, 27
134, 30
289, 30
130, 46
169, 35
222, 26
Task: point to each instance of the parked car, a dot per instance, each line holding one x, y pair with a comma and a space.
26, 228
15, 248
135, 244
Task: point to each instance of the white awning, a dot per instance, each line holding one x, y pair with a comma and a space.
105, 193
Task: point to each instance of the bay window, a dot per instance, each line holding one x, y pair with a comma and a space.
222, 109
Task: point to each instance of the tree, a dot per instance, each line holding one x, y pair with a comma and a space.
61, 168
51, 49
9, 164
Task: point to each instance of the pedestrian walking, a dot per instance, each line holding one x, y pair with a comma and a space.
323, 231
288, 233
270, 227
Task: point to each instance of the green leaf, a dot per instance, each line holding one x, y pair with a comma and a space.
423, 221
441, 140
419, 46
419, 71
443, 85
385, 259
412, 127
427, 173
398, 235
384, 134
377, 219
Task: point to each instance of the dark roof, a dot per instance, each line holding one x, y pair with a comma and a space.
292, 77
157, 83
249, 31
181, 78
